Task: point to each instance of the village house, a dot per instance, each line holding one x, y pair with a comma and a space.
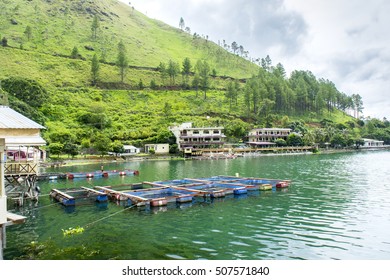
266, 137
19, 155
372, 143
130, 150
157, 148
191, 139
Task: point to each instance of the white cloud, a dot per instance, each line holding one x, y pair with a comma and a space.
340, 40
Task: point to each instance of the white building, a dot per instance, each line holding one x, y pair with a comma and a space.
267, 136
130, 150
157, 148
370, 143
190, 138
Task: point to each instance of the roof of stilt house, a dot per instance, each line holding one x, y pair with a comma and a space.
9, 118
18, 130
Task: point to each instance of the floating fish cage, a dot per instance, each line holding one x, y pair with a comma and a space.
102, 174
162, 193
68, 197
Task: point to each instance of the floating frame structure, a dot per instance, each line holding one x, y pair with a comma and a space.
68, 197
179, 191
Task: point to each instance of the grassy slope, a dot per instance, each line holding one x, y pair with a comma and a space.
58, 26
148, 42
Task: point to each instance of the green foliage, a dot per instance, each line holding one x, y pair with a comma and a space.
173, 149
26, 110
236, 129
26, 90
95, 66
72, 231
203, 70
294, 140
55, 148
95, 26
76, 113
122, 61
101, 143
117, 147
4, 42
75, 53
3, 97
281, 142
71, 149
48, 250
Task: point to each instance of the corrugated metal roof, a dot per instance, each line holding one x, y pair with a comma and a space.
25, 141
9, 118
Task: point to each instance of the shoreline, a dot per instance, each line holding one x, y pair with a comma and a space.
86, 161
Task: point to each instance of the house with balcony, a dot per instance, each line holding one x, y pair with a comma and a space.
192, 140
23, 143
266, 137
20, 153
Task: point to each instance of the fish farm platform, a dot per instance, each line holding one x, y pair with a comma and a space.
161, 193
88, 175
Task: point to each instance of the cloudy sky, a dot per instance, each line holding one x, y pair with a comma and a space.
345, 41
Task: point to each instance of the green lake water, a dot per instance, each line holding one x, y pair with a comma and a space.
338, 207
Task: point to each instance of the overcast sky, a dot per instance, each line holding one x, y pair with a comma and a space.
345, 41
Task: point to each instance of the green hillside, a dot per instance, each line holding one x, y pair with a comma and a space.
46, 53
59, 26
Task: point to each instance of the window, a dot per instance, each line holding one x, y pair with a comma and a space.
196, 132
216, 131
206, 132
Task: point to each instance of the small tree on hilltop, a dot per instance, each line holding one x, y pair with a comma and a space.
181, 23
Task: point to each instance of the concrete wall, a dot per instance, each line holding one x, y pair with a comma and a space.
19, 132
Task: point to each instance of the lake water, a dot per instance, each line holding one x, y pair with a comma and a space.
338, 207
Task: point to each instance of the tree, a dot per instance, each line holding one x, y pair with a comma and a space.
186, 70
181, 23
122, 62
338, 141
28, 32
102, 143
117, 147
203, 69
75, 53
358, 104
71, 149
162, 68
280, 142
230, 93
172, 70
266, 63
4, 42
95, 26
140, 84
153, 84
167, 110
294, 139
196, 83
55, 148
234, 47
95, 69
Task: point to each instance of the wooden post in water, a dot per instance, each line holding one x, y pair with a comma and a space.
3, 198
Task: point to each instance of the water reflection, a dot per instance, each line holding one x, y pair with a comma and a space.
337, 208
